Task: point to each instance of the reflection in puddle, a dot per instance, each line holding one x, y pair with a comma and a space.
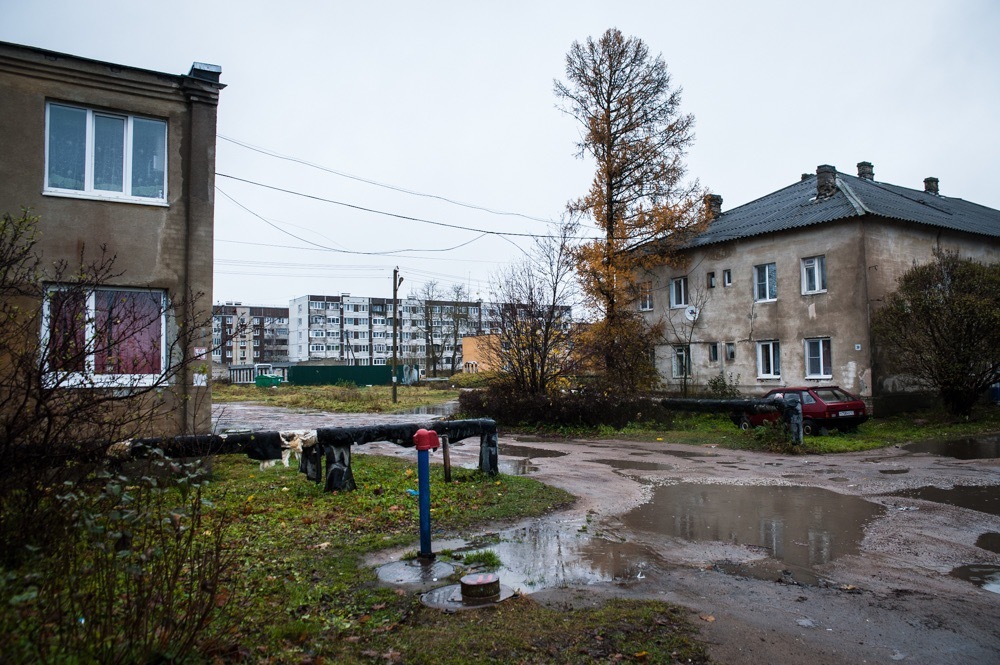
986, 576
512, 466
989, 541
528, 451
446, 409
987, 447
803, 527
635, 465
984, 499
548, 555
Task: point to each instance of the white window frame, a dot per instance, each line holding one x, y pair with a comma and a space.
317, 348
814, 267
678, 292
814, 348
680, 361
765, 282
646, 297
88, 377
769, 359
727, 277
88, 191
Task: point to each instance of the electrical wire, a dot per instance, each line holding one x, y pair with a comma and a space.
297, 160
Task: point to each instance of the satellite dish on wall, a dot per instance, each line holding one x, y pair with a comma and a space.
691, 313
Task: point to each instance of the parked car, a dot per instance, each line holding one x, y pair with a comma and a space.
823, 408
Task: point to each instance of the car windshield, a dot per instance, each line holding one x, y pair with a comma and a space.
830, 395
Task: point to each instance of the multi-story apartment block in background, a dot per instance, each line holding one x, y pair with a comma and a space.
357, 331
249, 334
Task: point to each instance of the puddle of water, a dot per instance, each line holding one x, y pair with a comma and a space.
893, 471
636, 465
985, 576
984, 499
839, 479
446, 409
987, 447
803, 527
511, 466
547, 555
528, 451
989, 541
689, 453
794, 475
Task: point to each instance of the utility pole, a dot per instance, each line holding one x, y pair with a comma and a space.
396, 281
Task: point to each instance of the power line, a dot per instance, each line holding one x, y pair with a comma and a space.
297, 160
336, 249
393, 214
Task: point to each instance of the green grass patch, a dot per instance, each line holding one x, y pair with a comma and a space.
339, 398
487, 559
716, 429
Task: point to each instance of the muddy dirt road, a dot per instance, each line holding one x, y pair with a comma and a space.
876, 557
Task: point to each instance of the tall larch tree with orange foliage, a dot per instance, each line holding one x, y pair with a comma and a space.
633, 128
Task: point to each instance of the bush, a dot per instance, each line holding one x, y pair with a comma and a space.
570, 409
135, 573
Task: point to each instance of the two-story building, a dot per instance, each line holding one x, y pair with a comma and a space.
117, 161
780, 291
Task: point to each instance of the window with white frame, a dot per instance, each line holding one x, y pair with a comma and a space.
765, 282
814, 274
105, 155
679, 292
646, 297
317, 347
768, 360
730, 351
317, 333
681, 365
819, 363
727, 277
107, 336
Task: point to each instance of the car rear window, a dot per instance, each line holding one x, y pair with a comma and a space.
829, 395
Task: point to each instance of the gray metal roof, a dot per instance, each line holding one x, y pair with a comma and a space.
796, 206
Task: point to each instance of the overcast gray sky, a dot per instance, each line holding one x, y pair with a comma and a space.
454, 100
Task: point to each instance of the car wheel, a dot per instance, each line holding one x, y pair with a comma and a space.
808, 427
745, 424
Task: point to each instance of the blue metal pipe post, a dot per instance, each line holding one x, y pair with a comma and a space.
425, 440
424, 487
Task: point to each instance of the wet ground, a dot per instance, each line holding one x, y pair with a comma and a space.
883, 556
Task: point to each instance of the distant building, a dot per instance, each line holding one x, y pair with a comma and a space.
113, 155
780, 291
357, 330
249, 334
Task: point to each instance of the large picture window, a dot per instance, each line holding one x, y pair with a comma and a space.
105, 336
105, 155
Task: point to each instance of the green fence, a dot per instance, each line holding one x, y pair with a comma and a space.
328, 375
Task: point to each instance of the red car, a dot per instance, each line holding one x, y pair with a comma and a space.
823, 408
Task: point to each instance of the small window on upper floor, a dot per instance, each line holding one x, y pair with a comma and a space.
711, 280
646, 297
727, 277
679, 292
95, 154
765, 282
814, 275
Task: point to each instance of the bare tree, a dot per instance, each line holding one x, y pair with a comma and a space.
430, 295
83, 363
631, 125
534, 299
458, 321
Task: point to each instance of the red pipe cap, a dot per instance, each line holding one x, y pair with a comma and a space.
425, 439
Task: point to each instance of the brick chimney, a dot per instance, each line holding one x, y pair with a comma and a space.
713, 206
866, 171
826, 181
931, 185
